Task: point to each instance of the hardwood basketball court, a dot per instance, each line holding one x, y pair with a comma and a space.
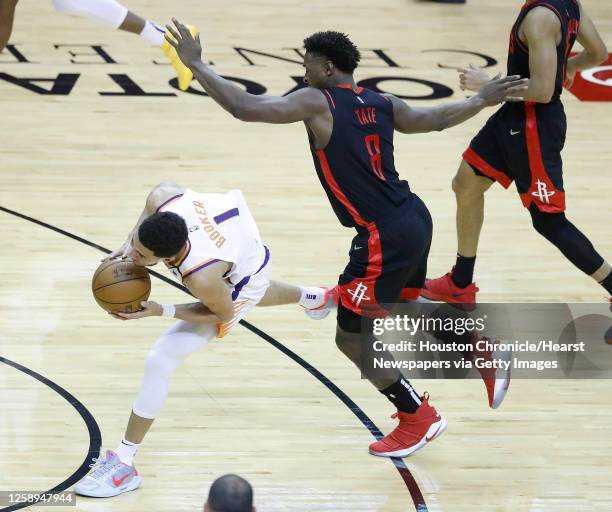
84, 161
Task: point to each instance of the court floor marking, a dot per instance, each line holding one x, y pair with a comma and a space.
409, 480
95, 436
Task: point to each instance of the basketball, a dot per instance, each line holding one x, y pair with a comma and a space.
119, 286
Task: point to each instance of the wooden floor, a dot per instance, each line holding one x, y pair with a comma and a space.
84, 162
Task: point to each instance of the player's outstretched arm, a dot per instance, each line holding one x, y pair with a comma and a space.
429, 119
301, 105
161, 193
594, 53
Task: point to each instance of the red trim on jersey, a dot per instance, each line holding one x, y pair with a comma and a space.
539, 4
359, 295
335, 188
349, 86
541, 185
472, 158
330, 98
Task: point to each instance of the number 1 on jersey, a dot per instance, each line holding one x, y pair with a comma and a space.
372, 143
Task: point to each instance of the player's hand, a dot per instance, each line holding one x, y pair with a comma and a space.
499, 89
120, 253
472, 78
149, 308
570, 75
188, 49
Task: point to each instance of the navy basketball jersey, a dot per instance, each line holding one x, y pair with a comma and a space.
568, 12
356, 167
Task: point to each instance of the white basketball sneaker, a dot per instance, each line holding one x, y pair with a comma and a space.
108, 477
327, 302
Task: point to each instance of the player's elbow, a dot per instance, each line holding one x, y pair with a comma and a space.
545, 97
244, 113
542, 95
601, 54
239, 113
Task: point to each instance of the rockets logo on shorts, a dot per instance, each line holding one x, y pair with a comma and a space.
542, 192
359, 293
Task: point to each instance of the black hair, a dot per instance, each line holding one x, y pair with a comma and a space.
163, 233
231, 493
337, 47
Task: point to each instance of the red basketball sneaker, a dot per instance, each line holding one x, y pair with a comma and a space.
413, 432
496, 380
444, 289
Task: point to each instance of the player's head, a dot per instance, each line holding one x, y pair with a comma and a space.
160, 236
328, 54
230, 493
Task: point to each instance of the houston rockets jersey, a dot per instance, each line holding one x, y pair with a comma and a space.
568, 12
221, 228
357, 168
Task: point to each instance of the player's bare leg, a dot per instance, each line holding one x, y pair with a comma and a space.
317, 301
137, 428
280, 293
469, 191
133, 23
117, 16
457, 285
7, 14
602, 272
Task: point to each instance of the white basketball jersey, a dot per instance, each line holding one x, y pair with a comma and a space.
221, 228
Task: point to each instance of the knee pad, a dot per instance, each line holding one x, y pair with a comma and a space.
160, 364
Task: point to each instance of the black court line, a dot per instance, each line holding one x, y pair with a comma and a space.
95, 436
405, 473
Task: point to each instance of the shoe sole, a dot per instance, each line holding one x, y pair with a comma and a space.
435, 430
501, 384
133, 485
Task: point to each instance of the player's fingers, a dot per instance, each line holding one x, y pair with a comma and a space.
462, 70
172, 31
510, 79
516, 88
171, 41
183, 30
472, 66
519, 85
515, 98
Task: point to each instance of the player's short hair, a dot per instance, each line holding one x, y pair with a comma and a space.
164, 233
230, 493
337, 47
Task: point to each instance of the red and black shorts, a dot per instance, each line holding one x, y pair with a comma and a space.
387, 261
522, 142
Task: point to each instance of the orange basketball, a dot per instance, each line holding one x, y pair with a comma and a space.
119, 286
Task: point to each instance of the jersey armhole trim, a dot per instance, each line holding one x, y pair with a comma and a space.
198, 267
168, 201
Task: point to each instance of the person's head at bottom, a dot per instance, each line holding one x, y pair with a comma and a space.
230, 493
